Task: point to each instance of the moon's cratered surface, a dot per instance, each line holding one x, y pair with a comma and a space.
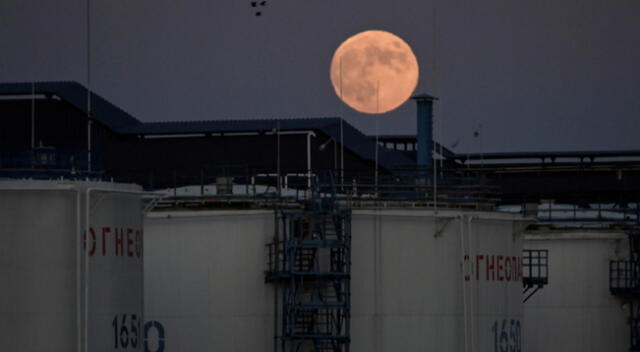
374, 71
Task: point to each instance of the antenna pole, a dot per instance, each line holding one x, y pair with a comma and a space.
436, 81
341, 131
278, 158
33, 115
481, 146
377, 117
88, 85
335, 158
435, 167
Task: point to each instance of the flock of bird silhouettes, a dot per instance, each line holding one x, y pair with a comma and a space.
258, 5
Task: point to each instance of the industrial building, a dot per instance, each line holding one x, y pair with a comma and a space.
52, 120
303, 235
167, 154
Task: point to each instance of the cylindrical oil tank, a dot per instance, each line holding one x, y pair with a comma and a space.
576, 311
71, 270
421, 280
204, 280
440, 281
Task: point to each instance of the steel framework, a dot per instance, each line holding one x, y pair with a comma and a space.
624, 282
310, 262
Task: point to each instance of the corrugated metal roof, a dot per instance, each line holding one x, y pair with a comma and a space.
354, 140
124, 124
75, 94
446, 152
364, 147
227, 126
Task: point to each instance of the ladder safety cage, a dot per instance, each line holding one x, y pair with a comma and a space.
624, 277
624, 282
310, 262
535, 271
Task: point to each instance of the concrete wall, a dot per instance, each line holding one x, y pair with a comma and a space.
576, 312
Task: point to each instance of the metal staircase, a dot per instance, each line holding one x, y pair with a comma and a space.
310, 262
624, 282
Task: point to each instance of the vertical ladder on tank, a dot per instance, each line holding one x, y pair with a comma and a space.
311, 264
535, 271
624, 282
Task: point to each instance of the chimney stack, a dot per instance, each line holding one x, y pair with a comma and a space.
424, 104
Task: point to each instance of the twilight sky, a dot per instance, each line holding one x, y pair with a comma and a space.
535, 75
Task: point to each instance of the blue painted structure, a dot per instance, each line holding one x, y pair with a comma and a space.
315, 293
425, 130
47, 163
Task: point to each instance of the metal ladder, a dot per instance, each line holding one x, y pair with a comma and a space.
310, 262
624, 282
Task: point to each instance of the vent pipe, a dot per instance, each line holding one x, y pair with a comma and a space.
424, 103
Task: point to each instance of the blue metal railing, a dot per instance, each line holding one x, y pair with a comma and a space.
48, 161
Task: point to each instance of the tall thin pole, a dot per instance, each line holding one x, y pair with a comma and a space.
436, 84
276, 240
278, 157
88, 85
435, 166
341, 131
309, 163
335, 158
481, 147
440, 142
33, 115
33, 110
377, 117
86, 254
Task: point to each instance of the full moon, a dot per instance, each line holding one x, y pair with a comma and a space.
374, 72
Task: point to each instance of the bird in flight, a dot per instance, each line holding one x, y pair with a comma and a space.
258, 5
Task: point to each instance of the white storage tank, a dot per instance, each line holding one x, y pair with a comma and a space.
204, 280
51, 297
421, 280
442, 281
576, 312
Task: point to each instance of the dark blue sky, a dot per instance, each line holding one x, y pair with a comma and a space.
536, 75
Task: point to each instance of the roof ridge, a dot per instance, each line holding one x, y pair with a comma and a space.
241, 120
74, 93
